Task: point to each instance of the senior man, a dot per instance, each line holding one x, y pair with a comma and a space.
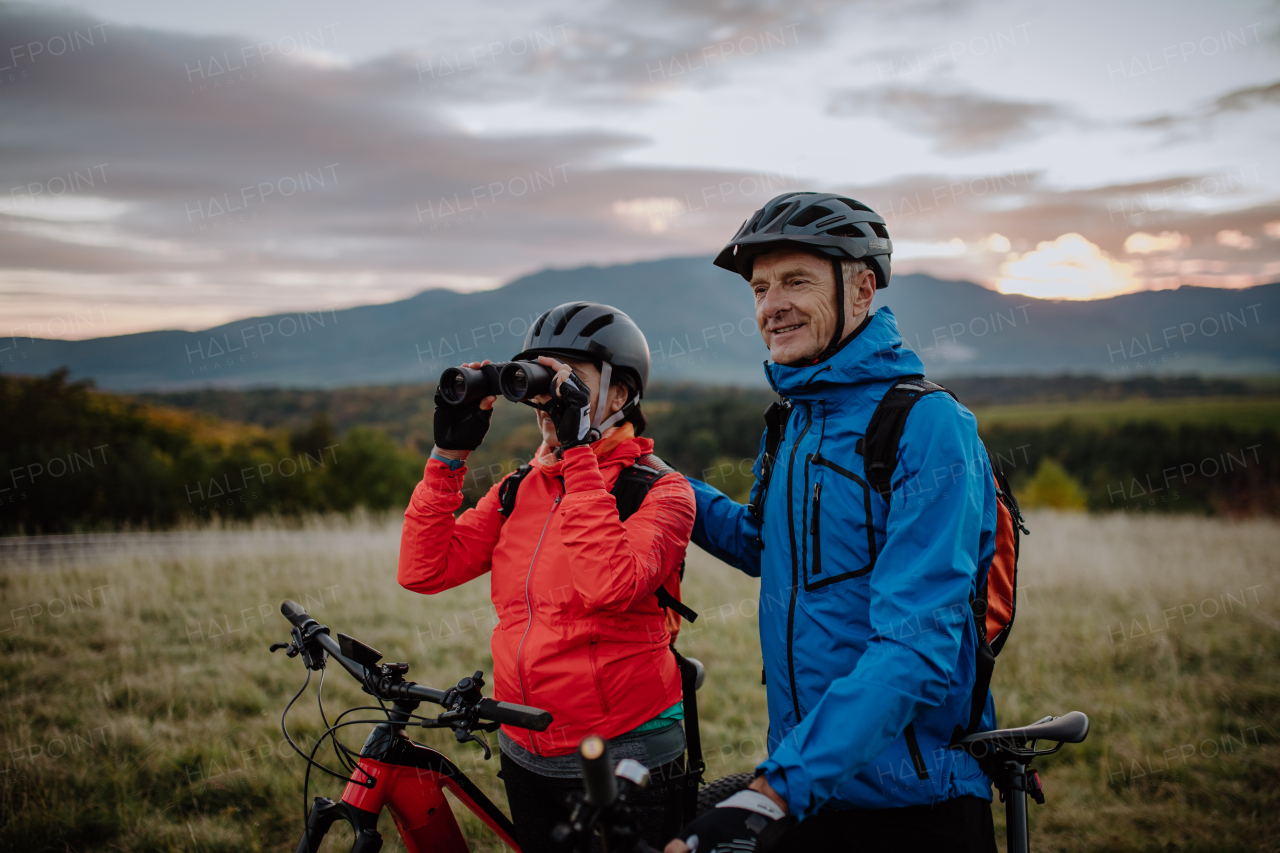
868, 642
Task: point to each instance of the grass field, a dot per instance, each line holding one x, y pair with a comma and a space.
140, 708
1240, 412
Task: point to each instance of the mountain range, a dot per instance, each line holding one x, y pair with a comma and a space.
699, 321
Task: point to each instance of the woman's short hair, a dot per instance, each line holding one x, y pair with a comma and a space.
634, 416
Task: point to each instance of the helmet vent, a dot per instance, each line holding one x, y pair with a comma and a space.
568, 315
596, 325
810, 215
856, 205
537, 328
781, 218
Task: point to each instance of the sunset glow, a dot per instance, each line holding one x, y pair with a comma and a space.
1069, 267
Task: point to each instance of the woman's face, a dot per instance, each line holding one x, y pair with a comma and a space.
590, 377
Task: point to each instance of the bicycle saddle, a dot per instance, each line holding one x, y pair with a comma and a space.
1072, 727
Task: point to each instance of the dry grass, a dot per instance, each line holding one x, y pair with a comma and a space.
146, 664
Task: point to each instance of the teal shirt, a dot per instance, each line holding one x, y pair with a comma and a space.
666, 718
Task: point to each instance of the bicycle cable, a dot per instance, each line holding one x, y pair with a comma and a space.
305, 757
338, 719
330, 732
338, 749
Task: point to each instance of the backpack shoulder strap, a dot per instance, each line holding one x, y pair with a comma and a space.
630, 490
507, 491
775, 425
879, 447
635, 481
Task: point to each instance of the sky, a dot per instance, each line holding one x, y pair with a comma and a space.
177, 165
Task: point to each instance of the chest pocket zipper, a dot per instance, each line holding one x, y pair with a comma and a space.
814, 529
595, 672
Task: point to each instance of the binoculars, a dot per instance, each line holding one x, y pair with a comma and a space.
518, 381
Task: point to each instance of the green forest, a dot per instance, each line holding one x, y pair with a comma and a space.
77, 459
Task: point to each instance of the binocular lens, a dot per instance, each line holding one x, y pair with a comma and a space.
518, 381
460, 385
521, 381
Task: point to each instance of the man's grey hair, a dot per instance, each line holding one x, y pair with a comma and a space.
851, 269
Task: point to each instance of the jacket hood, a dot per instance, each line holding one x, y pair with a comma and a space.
875, 355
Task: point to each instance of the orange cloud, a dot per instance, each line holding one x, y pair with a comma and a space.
1069, 267
1142, 243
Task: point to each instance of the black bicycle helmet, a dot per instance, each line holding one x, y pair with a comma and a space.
827, 224
592, 332
835, 226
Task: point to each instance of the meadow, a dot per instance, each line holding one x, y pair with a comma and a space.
141, 708
1241, 412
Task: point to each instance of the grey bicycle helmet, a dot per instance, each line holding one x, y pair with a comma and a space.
592, 332
601, 334
827, 224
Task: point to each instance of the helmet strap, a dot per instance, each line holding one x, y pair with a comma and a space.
834, 344
599, 423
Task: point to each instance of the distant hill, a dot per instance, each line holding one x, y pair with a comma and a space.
700, 325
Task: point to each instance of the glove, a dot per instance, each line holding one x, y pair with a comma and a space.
747, 822
460, 427
570, 411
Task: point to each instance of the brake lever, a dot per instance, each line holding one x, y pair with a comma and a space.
464, 735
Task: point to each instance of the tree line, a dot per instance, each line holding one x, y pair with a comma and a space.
73, 458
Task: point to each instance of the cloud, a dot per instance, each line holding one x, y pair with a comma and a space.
1069, 267
202, 178
1235, 239
1201, 118
623, 53
1142, 243
956, 121
1250, 98
211, 174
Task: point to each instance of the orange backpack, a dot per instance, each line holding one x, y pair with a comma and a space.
996, 601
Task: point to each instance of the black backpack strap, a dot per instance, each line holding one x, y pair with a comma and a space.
694, 765
984, 666
669, 601
630, 490
635, 481
879, 448
507, 490
775, 425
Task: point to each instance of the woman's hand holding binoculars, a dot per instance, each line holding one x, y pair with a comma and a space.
462, 426
466, 394
570, 407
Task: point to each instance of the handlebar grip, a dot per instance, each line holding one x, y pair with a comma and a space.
598, 781
520, 716
293, 611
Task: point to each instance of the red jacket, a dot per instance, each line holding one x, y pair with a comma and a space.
580, 632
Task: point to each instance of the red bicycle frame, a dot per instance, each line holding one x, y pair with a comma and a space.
408, 780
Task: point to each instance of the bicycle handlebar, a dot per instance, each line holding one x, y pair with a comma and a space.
511, 714
507, 713
598, 781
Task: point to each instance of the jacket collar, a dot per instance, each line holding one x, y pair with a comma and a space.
874, 355
620, 447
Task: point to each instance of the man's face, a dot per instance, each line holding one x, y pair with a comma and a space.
796, 305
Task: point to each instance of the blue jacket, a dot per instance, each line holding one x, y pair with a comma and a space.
865, 624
